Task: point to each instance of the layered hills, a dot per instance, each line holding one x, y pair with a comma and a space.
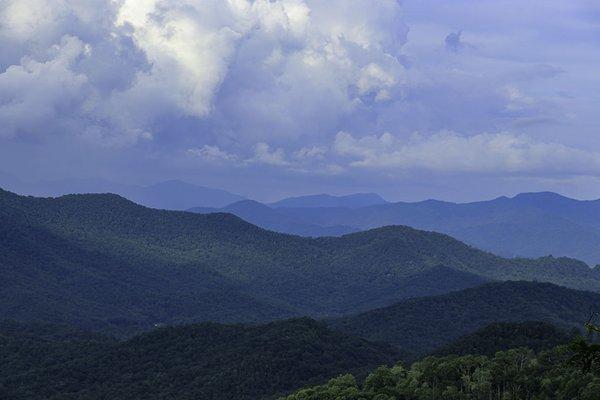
105, 263
527, 225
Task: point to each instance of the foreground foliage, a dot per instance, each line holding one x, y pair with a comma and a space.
517, 374
587, 349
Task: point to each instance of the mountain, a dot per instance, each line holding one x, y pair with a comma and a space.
102, 262
527, 225
205, 361
10, 182
99, 281
269, 218
177, 195
168, 195
421, 325
501, 336
584, 212
437, 280
325, 200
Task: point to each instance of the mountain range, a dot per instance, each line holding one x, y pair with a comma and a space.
101, 262
122, 271
175, 194
527, 225
168, 195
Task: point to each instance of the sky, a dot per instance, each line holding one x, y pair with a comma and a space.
457, 100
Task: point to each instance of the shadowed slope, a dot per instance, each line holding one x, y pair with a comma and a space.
205, 361
418, 326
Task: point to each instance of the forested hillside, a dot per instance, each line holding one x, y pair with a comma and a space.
206, 361
421, 325
102, 262
499, 336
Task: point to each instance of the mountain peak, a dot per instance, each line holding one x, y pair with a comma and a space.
179, 195
355, 200
541, 196
246, 204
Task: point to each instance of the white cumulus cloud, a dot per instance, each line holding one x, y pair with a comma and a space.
212, 154
264, 68
34, 93
502, 153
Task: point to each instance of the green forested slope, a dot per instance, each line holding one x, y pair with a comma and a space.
205, 361
498, 336
421, 325
46, 277
102, 262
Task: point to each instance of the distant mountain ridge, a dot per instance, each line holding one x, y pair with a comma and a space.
356, 200
168, 195
178, 195
526, 225
272, 219
105, 263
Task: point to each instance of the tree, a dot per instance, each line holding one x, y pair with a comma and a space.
587, 349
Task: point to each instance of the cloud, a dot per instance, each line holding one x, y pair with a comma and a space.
264, 155
504, 153
212, 154
263, 68
63, 62
454, 42
36, 92
373, 79
189, 45
310, 153
265, 86
500, 153
306, 160
236, 73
